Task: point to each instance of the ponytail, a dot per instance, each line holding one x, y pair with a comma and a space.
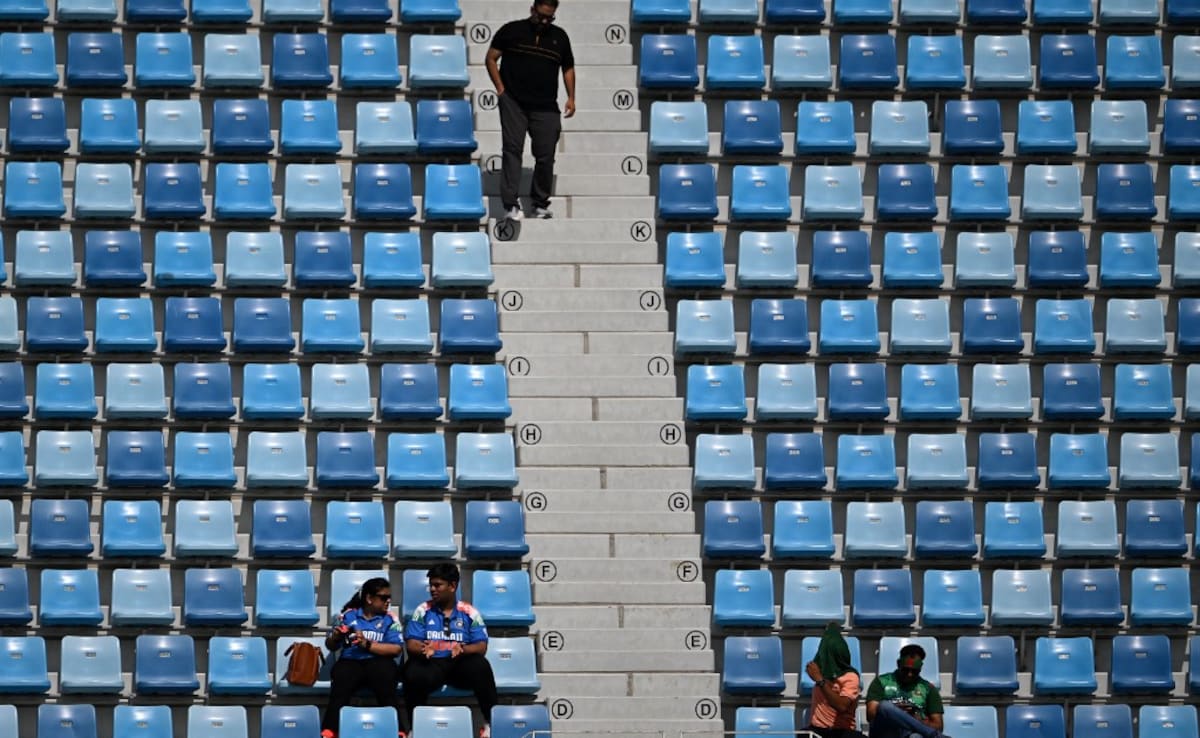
370, 587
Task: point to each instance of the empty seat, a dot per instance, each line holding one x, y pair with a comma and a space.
453, 192
1135, 326
841, 259
972, 127
991, 326
271, 391
929, 392
979, 192
165, 664
875, 530
438, 62
734, 63
753, 665
232, 60
868, 61
23, 665
243, 191
687, 192
911, 259
661, 11
1129, 260
743, 599
779, 327
1001, 391
766, 259
173, 126
280, 721
866, 462
69, 11
728, 11
31, 58
91, 665
163, 60
44, 258
360, 11
1052, 192
1013, 530
937, 460
203, 460
213, 597
314, 191
882, 597
733, 529
1175, 721
1185, 69
135, 391
52, 324
37, 125
300, 60
430, 11
704, 326
1154, 528
135, 459
1160, 597
409, 391
1021, 597
469, 326
1128, 12
1068, 61
205, 528
849, 327
141, 597
70, 597
12, 474
1063, 326
236, 666
1133, 63
1086, 528
682, 127
920, 326
1125, 192
794, 461
750, 127
1046, 127
668, 61
262, 324
1035, 721
309, 127
760, 193
715, 393
426, 530
392, 260
1078, 460
494, 530
384, 128
858, 392
1064, 666
945, 529
1071, 391
65, 391
419, 460
355, 530
786, 392
1143, 392
331, 326
172, 192
1119, 126
1142, 664
64, 459
905, 192
1091, 597
276, 460
113, 258
810, 598
459, 260
33, 189
93, 60
833, 193
108, 126
934, 63
446, 127
485, 460
1002, 62
282, 528
183, 259
369, 61
1057, 259
999, 12
346, 459
825, 127
341, 391
953, 598
803, 529
986, 665
478, 392
793, 12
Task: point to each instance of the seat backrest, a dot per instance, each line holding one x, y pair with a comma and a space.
204, 528
733, 528
205, 721
494, 529
1021, 597
812, 597
141, 597
803, 528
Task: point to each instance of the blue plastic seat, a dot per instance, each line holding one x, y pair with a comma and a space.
687, 192
760, 193
899, 127
1133, 62
953, 598
392, 260
459, 260
125, 325
70, 597
868, 62
469, 326
682, 127
937, 460
323, 260
286, 597
979, 192
928, 12
1086, 528
715, 392
445, 127
1135, 326
426, 530
767, 259
445, 721
136, 459
63, 459
1052, 192
735, 63
750, 127
271, 391
1091, 597
276, 460
996, 12
31, 10
370, 61
1035, 721
314, 191
37, 124
905, 192
1119, 127
309, 127
793, 12
1143, 392
661, 11
1013, 530
729, 11
1177, 721
494, 530
71, 11
1046, 127
779, 327
991, 326
668, 62
340, 391
34, 190
183, 259
484, 460
93, 60
810, 598
221, 11
1063, 326
262, 325
1142, 664
825, 128
254, 259
1057, 259
912, 259
53, 324
165, 664
236, 666
1062, 12
857, 392
1103, 721
920, 326
985, 665
1067, 61
430, 11
794, 461
243, 191
91, 664
478, 392
744, 598
1160, 596
384, 128
945, 529
355, 530
972, 127
868, 12
1129, 260
1185, 67
753, 665
882, 597
113, 258
1154, 528
1021, 597
1191, 406
293, 11
155, 11
1079, 460
300, 60
12, 395
65, 391
1002, 62
418, 460
346, 459
193, 325
368, 722
203, 460
1071, 392
514, 721
978, 721
695, 260
1183, 204
866, 462
1128, 12
438, 61
1001, 391
1064, 666
164, 60
453, 192
141, 597
358, 12
841, 259
786, 392
733, 529
23, 668
934, 62
282, 528
875, 530
31, 60
331, 326
929, 392
803, 529
849, 327
172, 191
213, 597
44, 258
1187, 329
409, 391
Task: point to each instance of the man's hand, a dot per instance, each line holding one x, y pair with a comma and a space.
456, 650
814, 671
569, 109
427, 649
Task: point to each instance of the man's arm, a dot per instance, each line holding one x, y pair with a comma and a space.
935, 721
414, 647
569, 83
872, 708
471, 649
493, 67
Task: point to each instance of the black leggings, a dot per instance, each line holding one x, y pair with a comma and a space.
378, 674
422, 677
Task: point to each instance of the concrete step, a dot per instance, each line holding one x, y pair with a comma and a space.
648, 545
648, 728
527, 344
580, 300
575, 164
681, 616
554, 275
624, 77
631, 275
610, 142
567, 685
628, 661
679, 478
612, 501
554, 617
624, 639
644, 708
578, 185
590, 365
556, 545
573, 522
586, 252
625, 571
603, 455
558, 478
530, 409
615, 408
568, 433
670, 685
586, 54
590, 386
599, 207
641, 343
614, 593
562, 319
562, 231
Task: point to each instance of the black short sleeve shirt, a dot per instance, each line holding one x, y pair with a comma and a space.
533, 55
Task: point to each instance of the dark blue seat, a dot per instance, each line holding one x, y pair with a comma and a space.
322, 260
262, 325
241, 127
1125, 192
37, 124
996, 12
12, 391
360, 11
469, 326
668, 62
1091, 597
752, 127
841, 259
733, 529
1063, 12
972, 127
155, 11
1154, 528
14, 597
66, 721
203, 391
1103, 721
1071, 392
95, 60
59, 528
868, 62
383, 192
1181, 126
165, 664
282, 528
300, 60
1035, 721
445, 127
221, 11
858, 392
1057, 259
193, 325
136, 459
172, 192
1142, 664
409, 391
1007, 460
213, 597
494, 530
24, 10
883, 597
794, 461
794, 12
779, 327
985, 665
687, 192
1068, 61
55, 324
945, 529
113, 259
992, 326
346, 460
905, 192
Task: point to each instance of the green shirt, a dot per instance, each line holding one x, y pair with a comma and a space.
922, 700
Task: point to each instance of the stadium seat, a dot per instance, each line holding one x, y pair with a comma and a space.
849, 327
735, 63
276, 460
882, 597
905, 192
1128, 12
494, 530
1142, 664
37, 125
430, 11
704, 326
753, 665
1129, 260
300, 60
661, 11
978, 721
346, 459
52, 324
1135, 326
803, 529
271, 391
43, 259
810, 598
1046, 127
841, 259
715, 392
314, 191
409, 391
1160, 597
929, 392
1125, 192
173, 126
183, 259
172, 191
426, 530
972, 127
357, 12
282, 686
93, 60
1013, 530
384, 128
996, 12
1056, 259
1021, 598
12, 393
33, 190
793, 12
165, 664
331, 326
369, 61
1143, 392
205, 528
743, 599
164, 60
1183, 204
729, 11
1063, 12
1133, 62
695, 260
1177, 721
786, 392
985, 665
866, 462
1064, 666
1002, 62
868, 61
213, 597
341, 391
934, 62
141, 597
438, 61
1185, 67
953, 598
323, 260
1191, 406
858, 392
469, 326
750, 127
12, 474
85, 11
1071, 391
65, 391
1091, 597
459, 260
733, 529
113, 258
825, 128
794, 461
243, 191
446, 127
687, 192
899, 127
911, 259
991, 326
1067, 61
155, 11
1086, 528
203, 460
1001, 391
668, 62
63, 459
135, 391
282, 528
875, 530
453, 192
985, 260
221, 11
478, 392
32, 60
927, 12
66, 721
1052, 192
979, 192
681, 127
309, 127
355, 530
400, 326
766, 259
293, 11
281, 721
1078, 461
392, 260
135, 458
1119, 127
368, 722
91, 665
937, 461
262, 324
1063, 326
760, 193
1035, 721
1154, 528
70, 597
485, 460
1103, 721
236, 666
109, 126
416, 460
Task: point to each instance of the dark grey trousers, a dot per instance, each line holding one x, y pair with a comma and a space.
543, 129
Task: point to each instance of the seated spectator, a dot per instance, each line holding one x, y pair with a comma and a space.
446, 641
900, 704
836, 689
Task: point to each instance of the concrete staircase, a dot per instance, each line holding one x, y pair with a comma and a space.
623, 628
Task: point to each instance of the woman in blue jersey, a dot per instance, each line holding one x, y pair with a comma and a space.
369, 639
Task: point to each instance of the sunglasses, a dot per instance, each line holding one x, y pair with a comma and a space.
383, 597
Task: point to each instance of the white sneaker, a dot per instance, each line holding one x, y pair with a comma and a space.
513, 214
543, 213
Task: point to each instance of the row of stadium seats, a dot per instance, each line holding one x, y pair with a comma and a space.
269, 392
196, 325
1141, 665
842, 260
369, 61
918, 12
233, 12
745, 598
242, 191
876, 530
283, 598
907, 192
967, 127
166, 665
273, 459
239, 126
939, 461
668, 62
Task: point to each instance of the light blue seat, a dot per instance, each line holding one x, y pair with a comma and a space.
430, 11
920, 326
1133, 63
1143, 392
752, 721
355, 530
183, 259
33, 189
426, 530
833, 192
370, 61
141, 597
728, 11
803, 528
65, 459
1160, 596
292, 11
514, 664
801, 62
44, 258
437, 62
271, 391
65, 391
368, 722
494, 530
282, 658
8, 536
661, 11
1046, 127
1087, 529
31, 60
392, 260
825, 128
1185, 62
203, 460
276, 460
173, 126
715, 392
205, 528
929, 392
213, 597
1064, 666
704, 327
104, 191
91, 665
109, 126
1052, 192
1063, 326
922, 12
743, 598
760, 193
70, 597
1103, 721
786, 392
1176, 721
331, 326
1001, 391
735, 63
232, 60
10, 340
724, 461
1078, 460
243, 191
1128, 12
978, 721
132, 528
1012, 530
912, 260
478, 392
979, 192
1021, 597
753, 665
899, 127
875, 530
1183, 204
866, 462
313, 191
461, 260
135, 391
416, 460
400, 326
485, 460
883, 597
890, 646
808, 652
237, 666
765, 258
937, 461
1135, 326
953, 598
1002, 62
23, 665
1119, 127
678, 127
205, 721
934, 62
812, 597
84, 11
849, 327
384, 128
340, 391
985, 665
254, 259
442, 721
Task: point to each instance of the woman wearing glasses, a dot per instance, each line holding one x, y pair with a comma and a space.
369, 639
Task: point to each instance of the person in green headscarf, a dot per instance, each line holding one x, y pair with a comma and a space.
836, 688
